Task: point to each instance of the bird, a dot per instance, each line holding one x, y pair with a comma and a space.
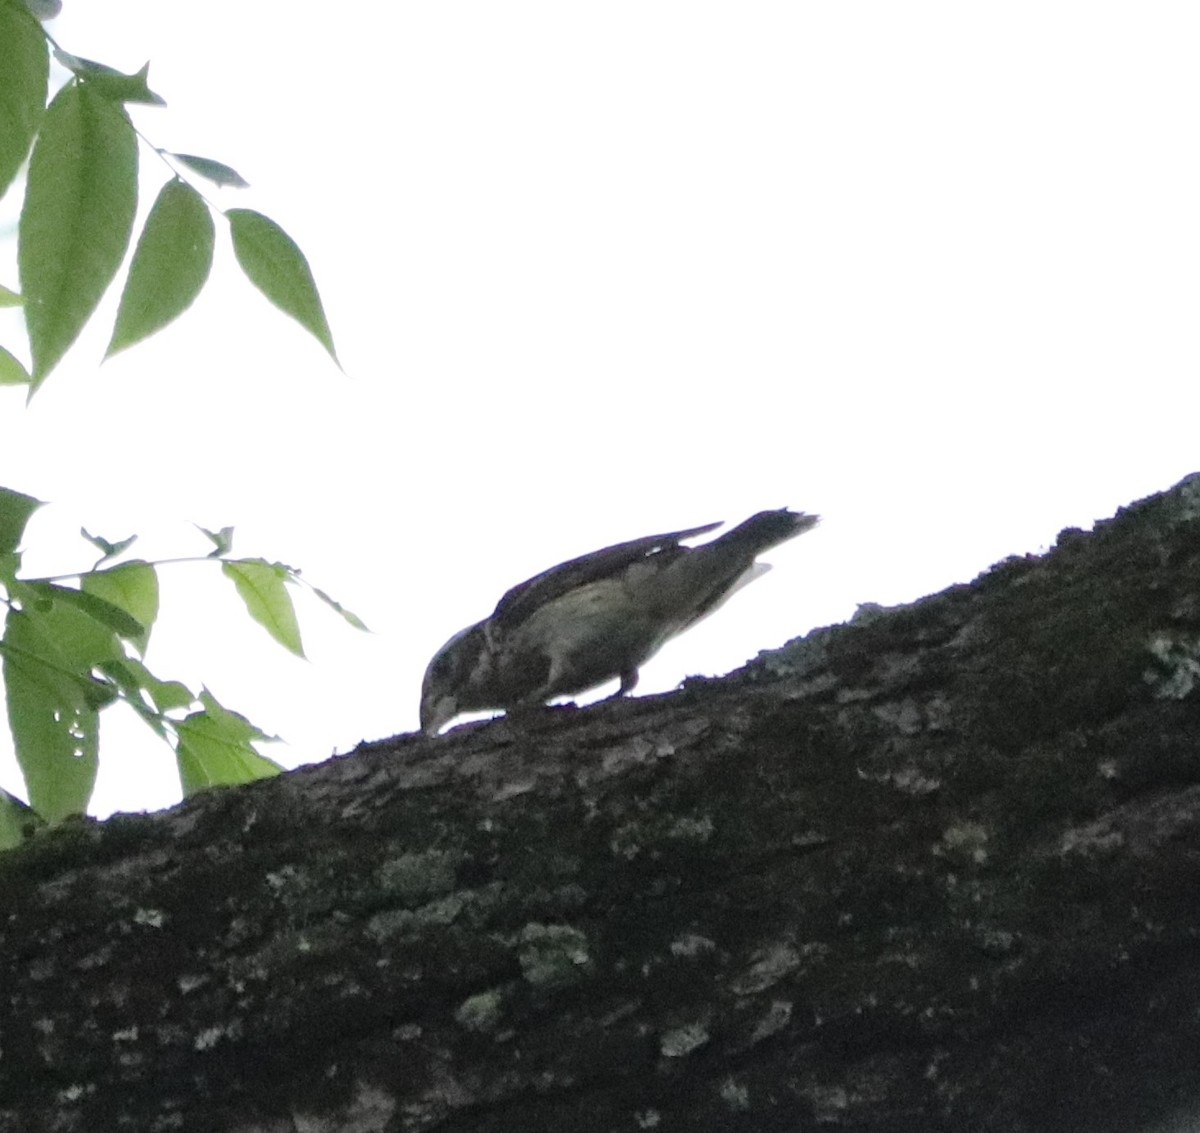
596, 617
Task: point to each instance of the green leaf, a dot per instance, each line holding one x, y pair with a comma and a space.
44, 9
222, 540
352, 618
262, 587
109, 82
76, 220
111, 550
25, 65
215, 749
12, 373
277, 267
146, 692
17, 820
132, 587
10, 563
15, 510
170, 264
165, 694
101, 610
216, 171
50, 652
10, 298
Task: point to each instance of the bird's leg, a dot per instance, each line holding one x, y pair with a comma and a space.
629, 680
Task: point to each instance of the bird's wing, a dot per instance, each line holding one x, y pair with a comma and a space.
526, 597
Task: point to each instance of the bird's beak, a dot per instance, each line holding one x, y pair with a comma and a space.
437, 713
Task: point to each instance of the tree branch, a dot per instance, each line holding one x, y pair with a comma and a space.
936, 868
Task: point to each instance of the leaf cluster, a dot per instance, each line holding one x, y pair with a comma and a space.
68, 652
77, 218
76, 644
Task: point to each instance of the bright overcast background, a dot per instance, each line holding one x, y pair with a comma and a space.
596, 270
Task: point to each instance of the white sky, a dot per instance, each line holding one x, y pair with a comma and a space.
598, 270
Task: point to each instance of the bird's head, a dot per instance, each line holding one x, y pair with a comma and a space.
454, 678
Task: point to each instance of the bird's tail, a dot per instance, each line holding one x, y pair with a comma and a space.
700, 580
768, 529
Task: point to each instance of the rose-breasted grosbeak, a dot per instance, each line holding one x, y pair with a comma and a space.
596, 617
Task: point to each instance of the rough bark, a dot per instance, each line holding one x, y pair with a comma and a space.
935, 869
